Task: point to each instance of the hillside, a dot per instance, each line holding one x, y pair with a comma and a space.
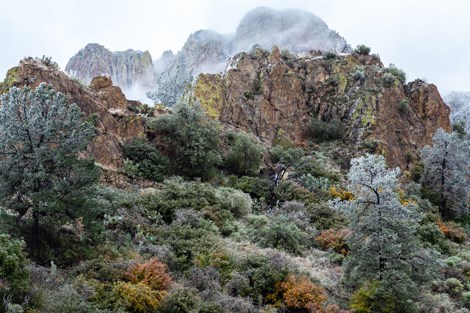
319, 181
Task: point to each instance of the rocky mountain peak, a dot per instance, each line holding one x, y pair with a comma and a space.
125, 68
295, 30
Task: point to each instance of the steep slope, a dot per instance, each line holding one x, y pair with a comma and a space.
102, 102
125, 68
276, 95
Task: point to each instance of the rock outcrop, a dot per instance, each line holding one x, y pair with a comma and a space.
126, 68
277, 94
101, 102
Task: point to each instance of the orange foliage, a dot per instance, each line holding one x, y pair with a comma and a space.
301, 293
341, 193
452, 231
332, 239
151, 273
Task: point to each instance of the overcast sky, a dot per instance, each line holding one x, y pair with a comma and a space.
429, 39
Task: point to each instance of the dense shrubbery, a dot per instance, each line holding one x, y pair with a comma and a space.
144, 160
322, 131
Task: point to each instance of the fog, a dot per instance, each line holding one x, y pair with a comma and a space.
428, 39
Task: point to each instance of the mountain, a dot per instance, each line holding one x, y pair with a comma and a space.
459, 103
207, 51
295, 30
126, 68
276, 96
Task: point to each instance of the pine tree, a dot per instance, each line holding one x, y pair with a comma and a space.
447, 172
384, 247
40, 138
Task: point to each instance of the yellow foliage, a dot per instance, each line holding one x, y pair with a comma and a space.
139, 298
341, 193
403, 200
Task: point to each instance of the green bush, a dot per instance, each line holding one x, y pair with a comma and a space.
362, 49
244, 154
255, 186
190, 139
144, 160
276, 232
13, 261
321, 131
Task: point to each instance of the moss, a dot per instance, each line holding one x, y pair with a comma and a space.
342, 84
10, 79
209, 92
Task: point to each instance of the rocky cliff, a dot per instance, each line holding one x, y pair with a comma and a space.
125, 68
102, 102
274, 94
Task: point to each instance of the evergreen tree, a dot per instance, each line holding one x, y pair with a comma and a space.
191, 140
41, 136
447, 172
171, 84
384, 247
244, 154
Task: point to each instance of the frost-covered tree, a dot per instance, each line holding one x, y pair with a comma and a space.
447, 172
171, 83
383, 244
41, 136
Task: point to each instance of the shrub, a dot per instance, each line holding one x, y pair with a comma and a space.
139, 298
255, 186
452, 231
276, 232
144, 160
335, 240
151, 273
244, 154
190, 139
321, 131
403, 106
299, 293
388, 80
397, 73
362, 50
235, 201
183, 300
13, 261
453, 286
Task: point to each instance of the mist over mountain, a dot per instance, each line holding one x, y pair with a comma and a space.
207, 51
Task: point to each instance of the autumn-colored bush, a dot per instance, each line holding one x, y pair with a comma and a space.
139, 298
334, 239
299, 293
151, 273
341, 193
452, 231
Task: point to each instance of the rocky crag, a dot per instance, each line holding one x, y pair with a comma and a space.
101, 102
206, 51
126, 68
274, 94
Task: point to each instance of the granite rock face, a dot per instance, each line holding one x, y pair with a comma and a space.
274, 94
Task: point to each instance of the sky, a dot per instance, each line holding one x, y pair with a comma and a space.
429, 39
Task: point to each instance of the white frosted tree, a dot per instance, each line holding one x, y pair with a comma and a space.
41, 136
447, 172
384, 247
171, 83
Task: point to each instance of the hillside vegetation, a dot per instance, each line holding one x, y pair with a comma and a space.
198, 210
